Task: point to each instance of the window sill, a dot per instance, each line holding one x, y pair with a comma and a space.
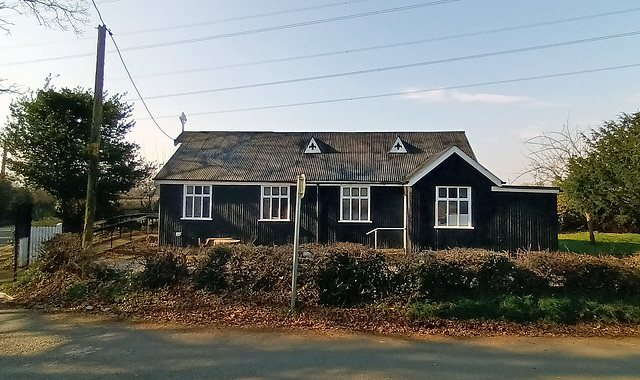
196, 219
452, 228
274, 220
355, 221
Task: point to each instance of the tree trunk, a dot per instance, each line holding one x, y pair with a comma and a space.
592, 237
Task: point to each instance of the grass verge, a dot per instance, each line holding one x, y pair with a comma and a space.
608, 244
521, 309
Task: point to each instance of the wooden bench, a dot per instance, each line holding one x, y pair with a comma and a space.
217, 241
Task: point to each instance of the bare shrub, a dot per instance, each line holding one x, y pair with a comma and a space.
65, 253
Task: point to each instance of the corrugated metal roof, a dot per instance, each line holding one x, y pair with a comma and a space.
279, 156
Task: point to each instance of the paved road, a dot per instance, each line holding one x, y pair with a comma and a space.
6, 233
37, 346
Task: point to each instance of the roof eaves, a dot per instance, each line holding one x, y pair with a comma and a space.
526, 189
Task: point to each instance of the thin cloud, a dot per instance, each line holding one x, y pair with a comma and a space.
452, 96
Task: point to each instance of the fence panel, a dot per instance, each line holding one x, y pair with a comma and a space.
38, 236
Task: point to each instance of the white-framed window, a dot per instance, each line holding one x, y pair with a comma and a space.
355, 204
274, 204
196, 202
453, 207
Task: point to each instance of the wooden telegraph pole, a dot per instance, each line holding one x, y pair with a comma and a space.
94, 143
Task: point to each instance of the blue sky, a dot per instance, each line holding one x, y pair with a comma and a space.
425, 66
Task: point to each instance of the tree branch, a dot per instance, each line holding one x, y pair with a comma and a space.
59, 13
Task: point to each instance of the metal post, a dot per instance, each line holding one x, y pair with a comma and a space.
375, 239
300, 187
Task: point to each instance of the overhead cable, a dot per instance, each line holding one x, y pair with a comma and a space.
144, 103
411, 92
399, 67
285, 59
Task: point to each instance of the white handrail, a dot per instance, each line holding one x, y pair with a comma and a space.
375, 234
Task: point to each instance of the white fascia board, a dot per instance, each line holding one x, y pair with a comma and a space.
236, 183
355, 183
454, 150
218, 183
533, 190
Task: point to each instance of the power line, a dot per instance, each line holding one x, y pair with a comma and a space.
219, 21
126, 69
240, 18
399, 44
286, 59
294, 25
99, 14
284, 26
135, 87
399, 67
405, 93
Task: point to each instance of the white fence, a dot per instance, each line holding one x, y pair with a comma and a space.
33, 244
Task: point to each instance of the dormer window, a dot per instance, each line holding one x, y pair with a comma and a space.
398, 146
312, 147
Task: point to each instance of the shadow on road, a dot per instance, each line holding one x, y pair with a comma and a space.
63, 346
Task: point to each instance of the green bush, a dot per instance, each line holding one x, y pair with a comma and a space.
499, 275
441, 279
519, 309
77, 292
346, 281
210, 274
496, 275
561, 309
111, 284
162, 270
461, 309
617, 312
602, 278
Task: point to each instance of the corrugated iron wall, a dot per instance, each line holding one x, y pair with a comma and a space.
524, 221
236, 214
501, 221
170, 211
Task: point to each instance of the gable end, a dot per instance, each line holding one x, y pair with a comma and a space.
428, 166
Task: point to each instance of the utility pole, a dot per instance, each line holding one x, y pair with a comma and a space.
94, 142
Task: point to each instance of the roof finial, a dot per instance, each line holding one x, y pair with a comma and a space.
183, 120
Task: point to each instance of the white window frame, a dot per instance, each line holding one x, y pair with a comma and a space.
279, 197
455, 200
197, 198
359, 198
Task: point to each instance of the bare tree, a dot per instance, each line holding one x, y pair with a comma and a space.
549, 153
63, 14
148, 191
12, 89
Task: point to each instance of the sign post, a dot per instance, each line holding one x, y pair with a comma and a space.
300, 188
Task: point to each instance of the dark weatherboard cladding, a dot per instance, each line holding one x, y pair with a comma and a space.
236, 213
418, 190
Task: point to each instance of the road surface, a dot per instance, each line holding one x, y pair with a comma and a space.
71, 346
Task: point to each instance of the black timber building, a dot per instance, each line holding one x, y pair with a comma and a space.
418, 190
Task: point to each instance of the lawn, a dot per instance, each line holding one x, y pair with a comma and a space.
609, 244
